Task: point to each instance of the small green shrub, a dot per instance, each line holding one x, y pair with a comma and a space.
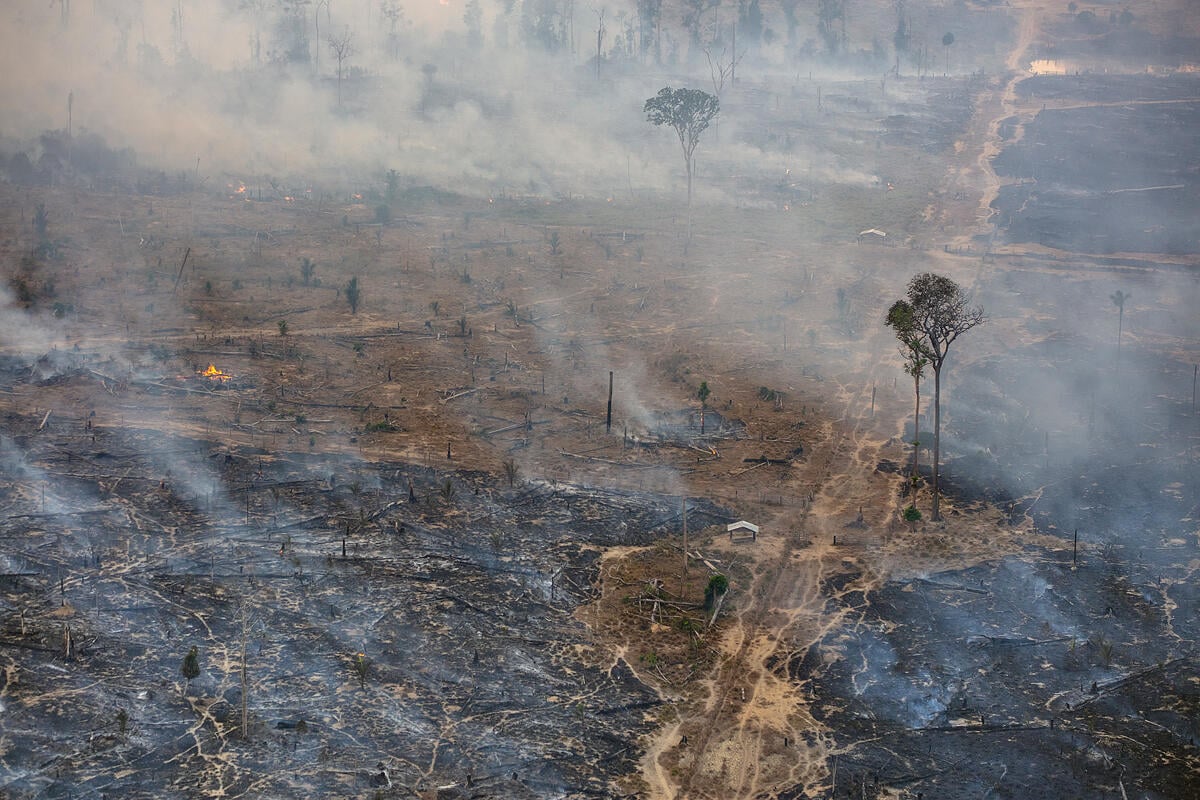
717, 585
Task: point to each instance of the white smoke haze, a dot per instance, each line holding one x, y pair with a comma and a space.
215, 95
235, 88
21, 334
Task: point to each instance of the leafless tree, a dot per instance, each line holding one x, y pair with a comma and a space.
1119, 297
342, 48
600, 30
722, 67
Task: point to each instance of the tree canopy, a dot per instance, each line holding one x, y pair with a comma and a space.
689, 112
934, 312
940, 313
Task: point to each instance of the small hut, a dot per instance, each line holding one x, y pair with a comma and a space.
872, 236
742, 530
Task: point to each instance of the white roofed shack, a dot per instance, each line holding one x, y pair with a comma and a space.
742, 528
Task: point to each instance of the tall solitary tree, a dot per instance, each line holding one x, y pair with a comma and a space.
947, 40
689, 112
1119, 297
935, 312
353, 294
342, 48
916, 359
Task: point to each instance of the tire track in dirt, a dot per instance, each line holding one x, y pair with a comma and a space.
755, 735
992, 143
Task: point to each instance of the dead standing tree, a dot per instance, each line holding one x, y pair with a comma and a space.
689, 112
938, 312
722, 68
1119, 297
342, 48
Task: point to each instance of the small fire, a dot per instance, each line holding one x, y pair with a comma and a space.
214, 374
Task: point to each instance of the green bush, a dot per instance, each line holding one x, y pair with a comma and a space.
717, 585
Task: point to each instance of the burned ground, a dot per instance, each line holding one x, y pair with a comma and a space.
458, 601
446, 574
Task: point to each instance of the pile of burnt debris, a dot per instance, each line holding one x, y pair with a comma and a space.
691, 428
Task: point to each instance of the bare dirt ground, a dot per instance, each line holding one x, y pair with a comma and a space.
430, 482
753, 733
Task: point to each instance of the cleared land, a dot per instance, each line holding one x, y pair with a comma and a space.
416, 560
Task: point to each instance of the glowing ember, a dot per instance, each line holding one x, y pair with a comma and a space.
214, 374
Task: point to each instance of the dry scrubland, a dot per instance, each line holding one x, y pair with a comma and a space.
414, 561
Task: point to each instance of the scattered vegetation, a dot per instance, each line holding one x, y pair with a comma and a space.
360, 666
190, 668
718, 585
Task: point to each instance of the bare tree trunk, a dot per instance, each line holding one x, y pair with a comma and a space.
733, 58
1120, 326
690, 169
916, 465
683, 578
937, 439
599, 40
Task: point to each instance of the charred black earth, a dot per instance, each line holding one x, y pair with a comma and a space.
1110, 165
399, 625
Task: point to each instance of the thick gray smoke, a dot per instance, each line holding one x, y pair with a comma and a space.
253, 89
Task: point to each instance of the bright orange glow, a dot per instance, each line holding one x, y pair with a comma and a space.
214, 374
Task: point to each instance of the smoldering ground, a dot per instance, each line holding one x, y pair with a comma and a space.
1039, 415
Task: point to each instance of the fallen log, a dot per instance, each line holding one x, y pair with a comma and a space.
1004, 641
950, 586
607, 461
744, 470
459, 394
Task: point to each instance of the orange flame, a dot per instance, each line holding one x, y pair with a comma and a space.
212, 373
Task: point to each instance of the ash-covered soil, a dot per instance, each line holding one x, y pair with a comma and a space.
956, 685
1114, 168
390, 618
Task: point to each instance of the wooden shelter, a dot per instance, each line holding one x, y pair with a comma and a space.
741, 530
